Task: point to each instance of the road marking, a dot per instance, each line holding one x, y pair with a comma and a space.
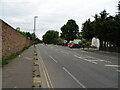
74, 77
118, 70
95, 60
107, 61
51, 86
47, 77
112, 65
43, 70
86, 59
53, 59
78, 57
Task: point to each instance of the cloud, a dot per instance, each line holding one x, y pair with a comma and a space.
52, 14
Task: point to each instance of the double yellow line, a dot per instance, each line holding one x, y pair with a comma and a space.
47, 77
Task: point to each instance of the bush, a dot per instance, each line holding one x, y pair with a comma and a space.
84, 44
60, 41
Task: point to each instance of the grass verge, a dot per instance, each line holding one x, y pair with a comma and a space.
6, 60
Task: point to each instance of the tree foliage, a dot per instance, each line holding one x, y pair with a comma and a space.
69, 30
105, 27
87, 30
60, 41
50, 37
29, 35
119, 7
84, 44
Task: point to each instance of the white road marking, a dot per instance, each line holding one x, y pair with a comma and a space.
95, 60
53, 59
92, 61
118, 70
74, 78
100, 60
78, 56
112, 65
107, 61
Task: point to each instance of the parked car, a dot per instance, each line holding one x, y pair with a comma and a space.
69, 44
75, 46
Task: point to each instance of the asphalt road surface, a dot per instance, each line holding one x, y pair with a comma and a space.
74, 68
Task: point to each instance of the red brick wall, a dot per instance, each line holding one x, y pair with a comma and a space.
12, 41
0, 40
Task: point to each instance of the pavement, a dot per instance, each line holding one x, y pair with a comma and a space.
75, 68
18, 73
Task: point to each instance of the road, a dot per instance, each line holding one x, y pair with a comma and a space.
74, 68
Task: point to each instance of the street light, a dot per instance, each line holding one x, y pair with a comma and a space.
35, 27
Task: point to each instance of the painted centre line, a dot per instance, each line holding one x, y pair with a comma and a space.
53, 59
74, 78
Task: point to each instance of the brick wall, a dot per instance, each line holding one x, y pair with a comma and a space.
0, 41
12, 41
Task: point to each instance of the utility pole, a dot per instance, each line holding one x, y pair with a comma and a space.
35, 28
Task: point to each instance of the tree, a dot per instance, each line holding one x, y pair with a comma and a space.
119, 7
60, 41
84, 44
79, 35
87, 30
18, 29
29, 35
100, 27
50, 37
37, 40
105, 28
69, 30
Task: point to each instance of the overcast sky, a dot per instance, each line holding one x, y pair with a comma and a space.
52, 14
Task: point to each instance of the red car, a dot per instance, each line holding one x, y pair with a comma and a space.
69, 44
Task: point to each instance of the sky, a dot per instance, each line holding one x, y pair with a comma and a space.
52, 14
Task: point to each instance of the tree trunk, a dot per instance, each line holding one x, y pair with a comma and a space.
101, 44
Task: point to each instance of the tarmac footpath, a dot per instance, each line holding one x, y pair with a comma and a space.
18, 73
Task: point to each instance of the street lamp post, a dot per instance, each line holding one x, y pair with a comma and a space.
35, 28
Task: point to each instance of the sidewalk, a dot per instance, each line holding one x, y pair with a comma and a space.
18, 73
